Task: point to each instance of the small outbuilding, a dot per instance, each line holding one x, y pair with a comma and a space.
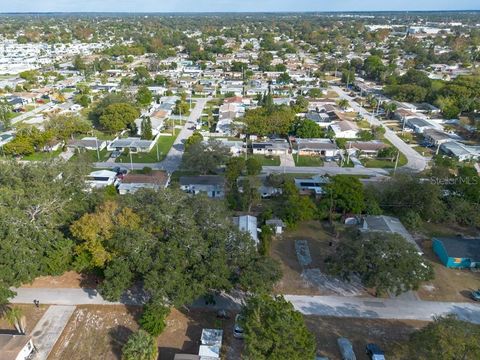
458, 252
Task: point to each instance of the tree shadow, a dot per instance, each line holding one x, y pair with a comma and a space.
118, 337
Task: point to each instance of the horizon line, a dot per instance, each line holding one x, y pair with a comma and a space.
239, 12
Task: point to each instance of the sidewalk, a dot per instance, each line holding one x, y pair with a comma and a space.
49, 328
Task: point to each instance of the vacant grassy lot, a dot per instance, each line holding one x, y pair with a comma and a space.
388, 334
283, 249
385, 164
91, 156
307, 160
99, 333
267, 160
42, 156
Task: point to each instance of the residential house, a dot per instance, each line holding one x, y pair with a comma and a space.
345, 129
419, 125
210, 344
325, 148
458, 252
87, 143
365, 149
247, 223
135, 145
460, 151
387, 224
212, 185
131, 183
101, 178
321, 118
16, 347
6, 137
315, 185
270, 148
434, 137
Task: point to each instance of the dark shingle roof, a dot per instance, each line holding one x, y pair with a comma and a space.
460, 247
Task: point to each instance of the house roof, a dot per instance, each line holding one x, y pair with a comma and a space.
212, 180
247, 223
388, 224
460, 247
11, 345
436, 134
155, 177
316, 144
366, 145
130, 142
346, 125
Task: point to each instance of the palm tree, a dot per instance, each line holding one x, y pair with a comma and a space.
140, 346
343, 103
14, 318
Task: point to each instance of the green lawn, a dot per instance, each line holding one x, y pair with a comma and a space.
42, 156
267, 160
91, 155
307, 160
164, 144
386, 164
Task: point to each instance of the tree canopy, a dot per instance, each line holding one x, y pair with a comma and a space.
274, 330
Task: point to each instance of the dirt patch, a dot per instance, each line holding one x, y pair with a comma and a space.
388, 334
99, 333
70, 279
184, 330
32, 316
449, 284
96, 332
311, 279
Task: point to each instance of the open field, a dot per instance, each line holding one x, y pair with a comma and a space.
99, 332
294, 280
388, 334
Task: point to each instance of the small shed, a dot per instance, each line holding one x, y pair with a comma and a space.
277, 225
458, 252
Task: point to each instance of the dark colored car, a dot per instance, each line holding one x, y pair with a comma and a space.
476, 295
374, 352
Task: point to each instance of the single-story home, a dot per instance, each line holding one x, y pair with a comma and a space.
212, 185
419, 125
317, 147
101, 178
135, 145
434, 137
87, 143
131, 183
247, 223
274, 147
345, 129
458, 252
387, 224
314, 184
460, 151
16, 347
365, 148
6, 137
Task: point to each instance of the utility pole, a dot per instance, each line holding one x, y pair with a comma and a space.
131, 160
396, 162
158, 155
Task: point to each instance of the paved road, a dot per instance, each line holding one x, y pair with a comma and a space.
402, 309
174, 157
416, 162
326, 170
382, 308
33, 112
49, 328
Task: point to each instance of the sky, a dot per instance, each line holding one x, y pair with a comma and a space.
231, 5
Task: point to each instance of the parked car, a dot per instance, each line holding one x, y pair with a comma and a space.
374, 352
237, 329
346, 349
115, 154
476, 295
120, 170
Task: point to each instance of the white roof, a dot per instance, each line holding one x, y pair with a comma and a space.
103, 173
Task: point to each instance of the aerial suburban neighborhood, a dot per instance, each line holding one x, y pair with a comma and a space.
228, 185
